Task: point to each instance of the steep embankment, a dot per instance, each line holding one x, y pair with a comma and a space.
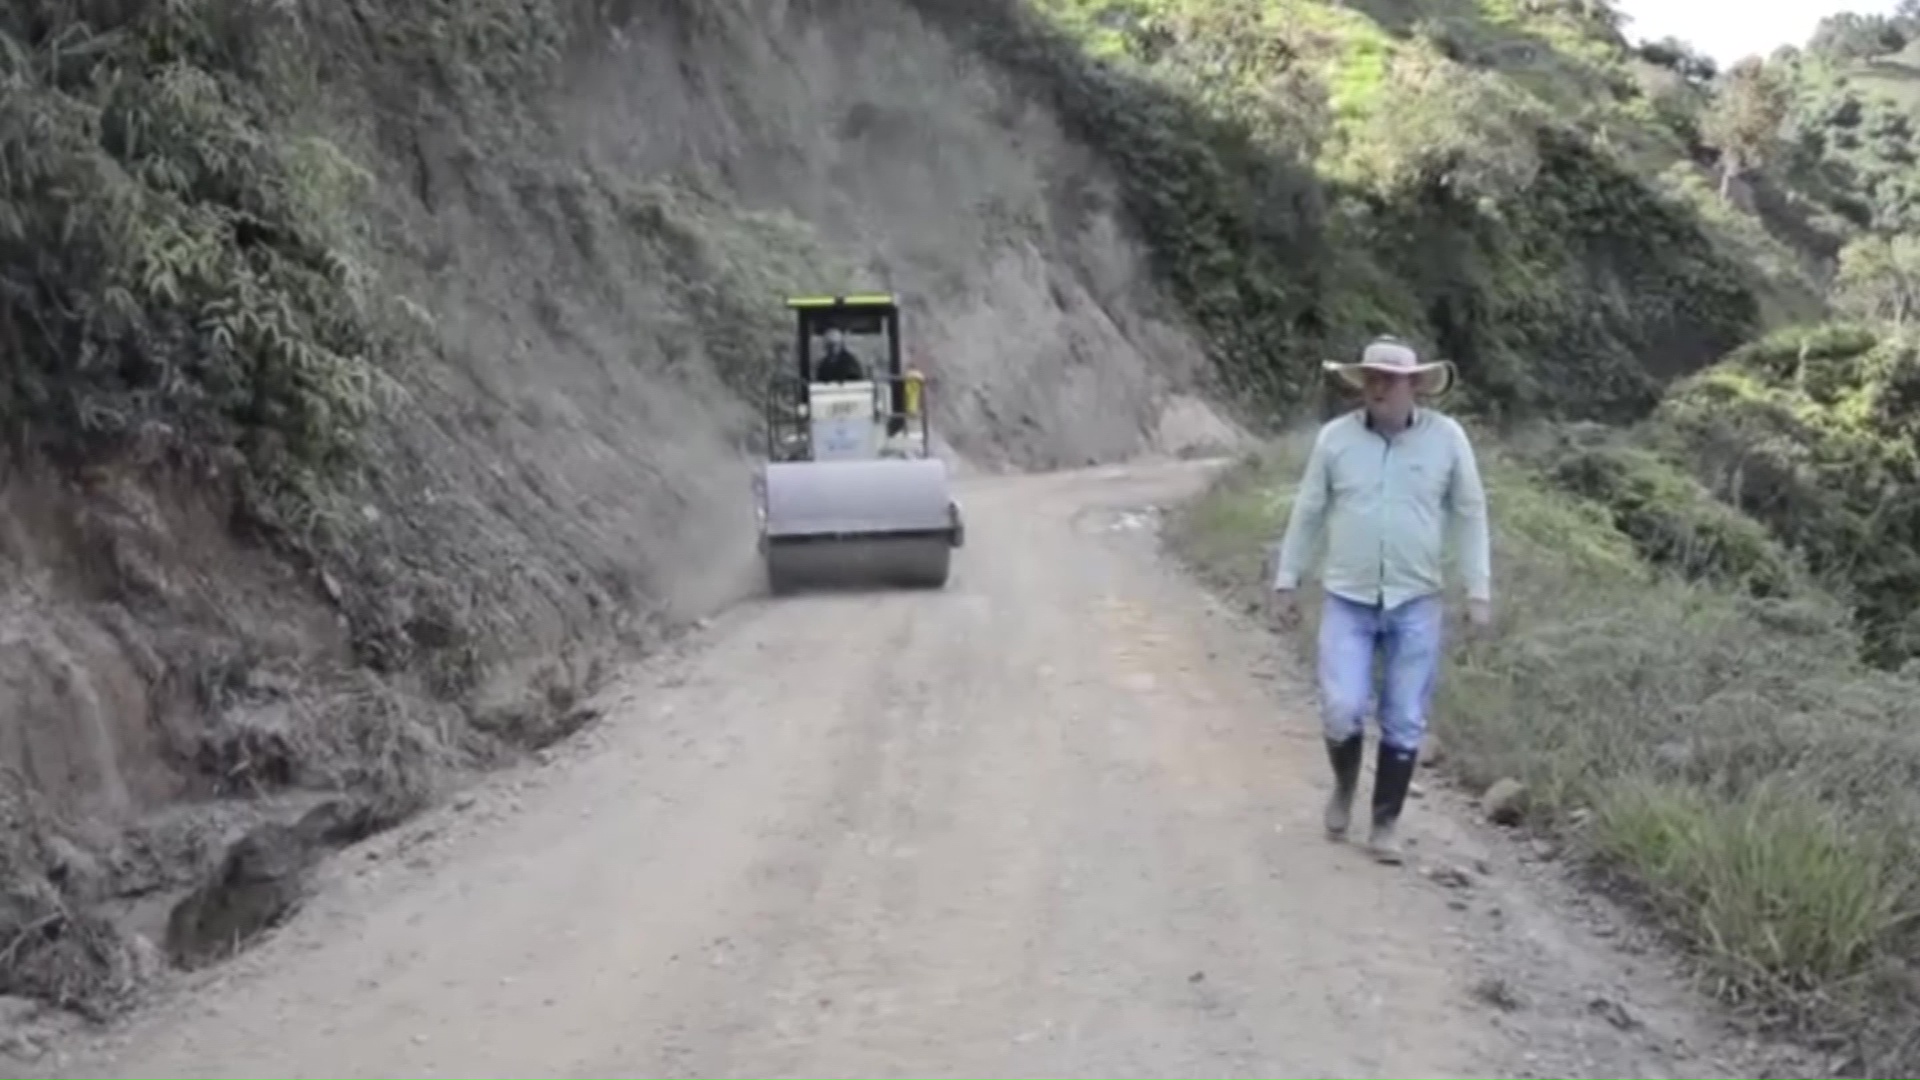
377, 370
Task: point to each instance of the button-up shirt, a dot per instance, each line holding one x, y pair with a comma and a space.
1383, 503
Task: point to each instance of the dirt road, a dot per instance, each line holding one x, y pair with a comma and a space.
1051, 822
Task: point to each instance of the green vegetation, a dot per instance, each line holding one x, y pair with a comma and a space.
187, 267
1724, 755
1307, 175
1673, 521
1814, 434
180, 261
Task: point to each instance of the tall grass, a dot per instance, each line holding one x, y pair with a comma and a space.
1726, 758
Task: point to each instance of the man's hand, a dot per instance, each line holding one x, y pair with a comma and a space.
1283, 608
1479, 618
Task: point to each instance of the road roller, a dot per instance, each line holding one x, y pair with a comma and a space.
851, 493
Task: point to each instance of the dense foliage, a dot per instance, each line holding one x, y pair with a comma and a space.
1308, 176
184, 263
176, 262
1817, 434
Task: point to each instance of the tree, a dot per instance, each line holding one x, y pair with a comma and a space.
1851, 36
1678, 56
1879, 278
1743, 124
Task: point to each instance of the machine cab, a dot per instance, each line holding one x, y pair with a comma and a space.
838, 417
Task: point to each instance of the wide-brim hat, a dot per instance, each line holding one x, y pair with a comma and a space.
1430, 379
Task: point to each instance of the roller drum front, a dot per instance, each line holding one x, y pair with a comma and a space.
914, 563
879, 522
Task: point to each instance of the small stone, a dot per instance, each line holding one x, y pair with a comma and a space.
1504, 801
1496, 992
465, 801
1544, 850
77, 872
1615, 1013
1452, 877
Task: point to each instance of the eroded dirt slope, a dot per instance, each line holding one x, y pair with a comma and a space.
1059, 819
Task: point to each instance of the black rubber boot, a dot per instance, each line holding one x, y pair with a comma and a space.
1345, 755
1392, 776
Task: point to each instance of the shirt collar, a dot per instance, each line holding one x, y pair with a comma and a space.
1413, 420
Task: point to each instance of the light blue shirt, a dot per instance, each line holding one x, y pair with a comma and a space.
1383, 504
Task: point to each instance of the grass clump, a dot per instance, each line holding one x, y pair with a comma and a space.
1768, 883
1727, 756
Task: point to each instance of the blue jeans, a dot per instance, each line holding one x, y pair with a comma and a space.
1408, 637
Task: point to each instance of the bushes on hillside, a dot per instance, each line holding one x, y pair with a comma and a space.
1305, 180
174, 265
1673, 520
182, 263
1813, 432
1580, 299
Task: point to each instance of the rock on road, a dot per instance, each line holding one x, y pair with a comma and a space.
1043, 823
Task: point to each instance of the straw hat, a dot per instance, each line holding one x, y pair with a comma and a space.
1390, 354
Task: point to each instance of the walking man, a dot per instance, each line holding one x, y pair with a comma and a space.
1380, 488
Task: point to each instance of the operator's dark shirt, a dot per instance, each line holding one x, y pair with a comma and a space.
838, 367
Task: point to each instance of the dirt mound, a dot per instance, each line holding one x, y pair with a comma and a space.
54, 944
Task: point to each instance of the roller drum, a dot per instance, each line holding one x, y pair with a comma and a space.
874, 522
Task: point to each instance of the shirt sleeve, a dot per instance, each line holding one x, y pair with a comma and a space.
1467, 500
1305, 521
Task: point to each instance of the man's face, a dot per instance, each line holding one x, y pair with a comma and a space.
1388, 394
